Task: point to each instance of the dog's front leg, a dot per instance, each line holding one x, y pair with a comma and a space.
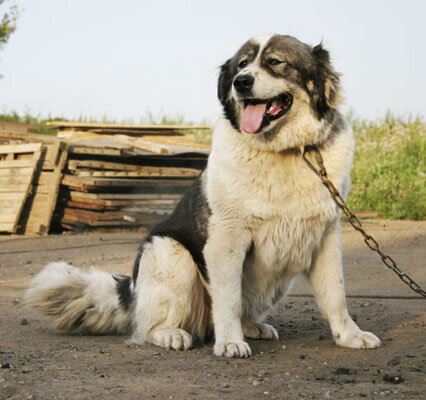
326, 278
225, 252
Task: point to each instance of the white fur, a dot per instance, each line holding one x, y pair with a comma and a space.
167, 276
66, 294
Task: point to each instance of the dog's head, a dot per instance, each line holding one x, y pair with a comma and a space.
278, 89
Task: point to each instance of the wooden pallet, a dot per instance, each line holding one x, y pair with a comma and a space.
18, 163
39, 208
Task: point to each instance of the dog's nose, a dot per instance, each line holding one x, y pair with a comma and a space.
243, 83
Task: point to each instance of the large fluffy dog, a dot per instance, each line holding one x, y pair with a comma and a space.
252, 221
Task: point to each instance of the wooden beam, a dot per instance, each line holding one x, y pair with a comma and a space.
17, 164
20, 148
139, 170
88, 125
6, 181
143, 144
95, 151
15, 172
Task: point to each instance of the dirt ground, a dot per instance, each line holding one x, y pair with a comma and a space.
39, 363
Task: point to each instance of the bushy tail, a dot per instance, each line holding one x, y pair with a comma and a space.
94, 303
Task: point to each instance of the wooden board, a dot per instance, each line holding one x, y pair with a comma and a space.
9, 172
17, 164
143, 144
92, 183
125, 196
39, 208
88, 125
20, 148
16, 187
94, 151
82, 198
17, 126
121, 169
28, 137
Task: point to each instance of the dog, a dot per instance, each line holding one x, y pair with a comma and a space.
253, 220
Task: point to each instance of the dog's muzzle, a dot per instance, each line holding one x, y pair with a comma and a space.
243, 84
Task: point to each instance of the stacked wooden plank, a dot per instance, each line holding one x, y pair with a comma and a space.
65, 128
126, 175
103, 175
123, 190
18, 165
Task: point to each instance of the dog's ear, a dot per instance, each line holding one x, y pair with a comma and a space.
224, 82
325, 86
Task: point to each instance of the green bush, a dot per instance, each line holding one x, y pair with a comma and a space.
388, 175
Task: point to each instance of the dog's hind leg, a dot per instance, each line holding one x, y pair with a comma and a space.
326, 278
171, 305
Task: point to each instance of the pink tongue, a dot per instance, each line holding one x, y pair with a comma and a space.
252, 117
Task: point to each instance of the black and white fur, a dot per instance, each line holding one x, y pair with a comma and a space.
254, 219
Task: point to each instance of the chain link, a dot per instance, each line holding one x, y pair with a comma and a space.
355, 222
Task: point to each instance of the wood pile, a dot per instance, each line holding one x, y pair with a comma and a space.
16, 178
101, 175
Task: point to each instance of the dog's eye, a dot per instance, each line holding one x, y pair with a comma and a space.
243, 64
273, 61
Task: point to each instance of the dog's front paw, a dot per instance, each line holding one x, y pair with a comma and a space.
258, 330
358, 340
238, 349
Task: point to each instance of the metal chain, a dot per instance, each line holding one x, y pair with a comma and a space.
355, 222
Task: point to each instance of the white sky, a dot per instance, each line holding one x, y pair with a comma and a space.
121, 58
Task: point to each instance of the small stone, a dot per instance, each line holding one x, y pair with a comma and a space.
342, 371
255, 382
226, 385
15, 302
24, 321
393, 377
284, 347
394, 361
302, 356
5, 366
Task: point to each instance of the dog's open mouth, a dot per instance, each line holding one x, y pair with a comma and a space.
259, 113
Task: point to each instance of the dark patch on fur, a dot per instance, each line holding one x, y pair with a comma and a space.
334, 126
187, 225
324, 98
226, 77
76, 324
123, 289
304, 64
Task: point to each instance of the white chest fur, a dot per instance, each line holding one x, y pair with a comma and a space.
278, 197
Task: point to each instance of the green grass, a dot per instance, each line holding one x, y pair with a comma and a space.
31, 119
388, 175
